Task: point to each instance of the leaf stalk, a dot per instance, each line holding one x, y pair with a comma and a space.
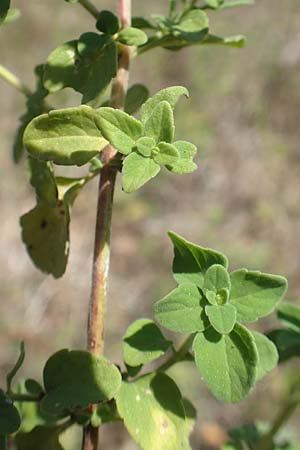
14, 81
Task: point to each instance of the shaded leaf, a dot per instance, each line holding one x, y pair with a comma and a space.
152, 410
108, 22
289, 315
41, 438
287, 343
255, 294
119, 128
67, 136
227, 363
104, 413
143, 343
42, 179
4, 7
193, 26
9, 417
136, 95
12, 15
76, 379
182, 310
192, 261
142, 23
137, 170
267, 354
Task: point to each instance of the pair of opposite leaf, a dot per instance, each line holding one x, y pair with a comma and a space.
214, 304
73, 136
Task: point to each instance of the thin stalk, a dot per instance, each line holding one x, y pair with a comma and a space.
178, 355
90, 8
101, 259
266, 442
14, 81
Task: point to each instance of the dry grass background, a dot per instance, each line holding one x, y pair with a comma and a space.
243, 114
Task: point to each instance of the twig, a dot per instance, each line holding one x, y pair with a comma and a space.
14, 81
90, 8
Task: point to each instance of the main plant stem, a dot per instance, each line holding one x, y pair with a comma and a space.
103, 222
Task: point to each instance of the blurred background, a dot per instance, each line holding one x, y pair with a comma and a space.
243, 114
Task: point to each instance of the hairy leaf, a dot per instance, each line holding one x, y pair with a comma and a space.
132, 36
255, 294
145, 145
153, 413
170, 95
67, 136
137, 170
143, 343
193, 26
184, 163
192, 261
42, 179
167, 154
221, 317
227, 363
160, 125
182, 310
216, 280
267, 354
76, 379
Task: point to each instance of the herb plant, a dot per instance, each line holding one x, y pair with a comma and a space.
132, 134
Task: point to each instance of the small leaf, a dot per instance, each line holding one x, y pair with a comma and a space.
227, 363
287, 343
255, 294
42, 178
230, 41
221, 317
152, 410
233, 3
119, 128
108, 22
67, 136
170, 95
76, 379
132, 36
160, 124
182, 310
137, 170
12, 15
41, 438
289, 315
45, 232
192, 261
12, 373
193, 26
142, 23
216, 280
9, 417
213, 4
145, 145
104, 413
136, 95
167, 154
185, 163
267, 354
143, 343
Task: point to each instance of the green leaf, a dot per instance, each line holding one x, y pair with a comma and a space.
136, 95
289, 315
233, 3
160, 125
217, 280
142, 23
108, 22
132, 36
193, 26
41, 438
170, 95
214, 4
192, 261
167, 154
76, 379
67, 136
9, 417
182, 310
267, 354
104, 413
42, 179
12, 373
143, 343
287, 343
87, 66
185, 163
145, 145
229, 41
221, 317
255, 294
227, 363
12, 15
119, 128
45, 232
4, 7
152, 410
137, 170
